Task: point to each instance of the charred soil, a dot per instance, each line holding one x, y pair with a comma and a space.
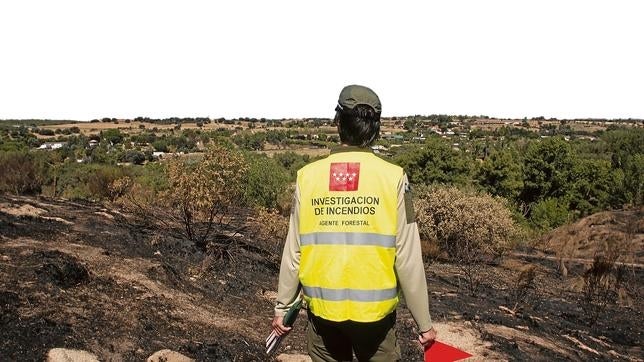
81, 275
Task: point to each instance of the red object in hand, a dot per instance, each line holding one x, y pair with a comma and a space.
441, 352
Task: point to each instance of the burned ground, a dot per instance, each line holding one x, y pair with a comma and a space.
79, 275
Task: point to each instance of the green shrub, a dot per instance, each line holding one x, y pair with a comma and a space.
266, 182
99, 181
160, 145
23, 172
133, 156
292, 162
87, 181
152, 176
44, 131
549, 214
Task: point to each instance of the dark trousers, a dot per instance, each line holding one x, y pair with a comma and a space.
338, 341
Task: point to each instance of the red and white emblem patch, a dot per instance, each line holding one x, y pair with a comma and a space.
344, 176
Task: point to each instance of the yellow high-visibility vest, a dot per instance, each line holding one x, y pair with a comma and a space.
348, 222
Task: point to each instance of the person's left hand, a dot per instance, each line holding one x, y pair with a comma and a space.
278, 326
427, 338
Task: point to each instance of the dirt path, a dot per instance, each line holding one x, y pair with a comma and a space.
463, 335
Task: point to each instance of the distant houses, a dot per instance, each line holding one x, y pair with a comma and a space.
52, 145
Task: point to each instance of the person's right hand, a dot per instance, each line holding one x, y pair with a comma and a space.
278, 326
427, 338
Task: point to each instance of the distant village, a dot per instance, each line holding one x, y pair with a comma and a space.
155, 138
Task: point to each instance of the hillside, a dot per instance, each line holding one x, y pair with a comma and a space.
80, 275
600, 233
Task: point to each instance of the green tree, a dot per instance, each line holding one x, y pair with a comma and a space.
435, 162
112, 136
627, 154
251, 141
592, 184
547, 170
409, 125
500, 174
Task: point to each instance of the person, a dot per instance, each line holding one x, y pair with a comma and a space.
353, 245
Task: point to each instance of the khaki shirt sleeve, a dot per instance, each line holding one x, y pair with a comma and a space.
288, 290
409, 262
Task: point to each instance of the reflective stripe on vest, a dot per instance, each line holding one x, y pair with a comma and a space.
351, 294
338, 238
348, 236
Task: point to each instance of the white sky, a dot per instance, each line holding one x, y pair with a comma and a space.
89, 59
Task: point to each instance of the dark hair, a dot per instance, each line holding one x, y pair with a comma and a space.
359, 126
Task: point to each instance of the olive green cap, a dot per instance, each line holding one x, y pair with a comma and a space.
352, 95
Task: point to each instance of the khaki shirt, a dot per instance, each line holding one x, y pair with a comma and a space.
409, 263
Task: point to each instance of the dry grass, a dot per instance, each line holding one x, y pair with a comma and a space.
598, 234
88, 128
133, 127
493, 124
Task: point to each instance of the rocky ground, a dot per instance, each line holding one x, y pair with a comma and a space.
80, 275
